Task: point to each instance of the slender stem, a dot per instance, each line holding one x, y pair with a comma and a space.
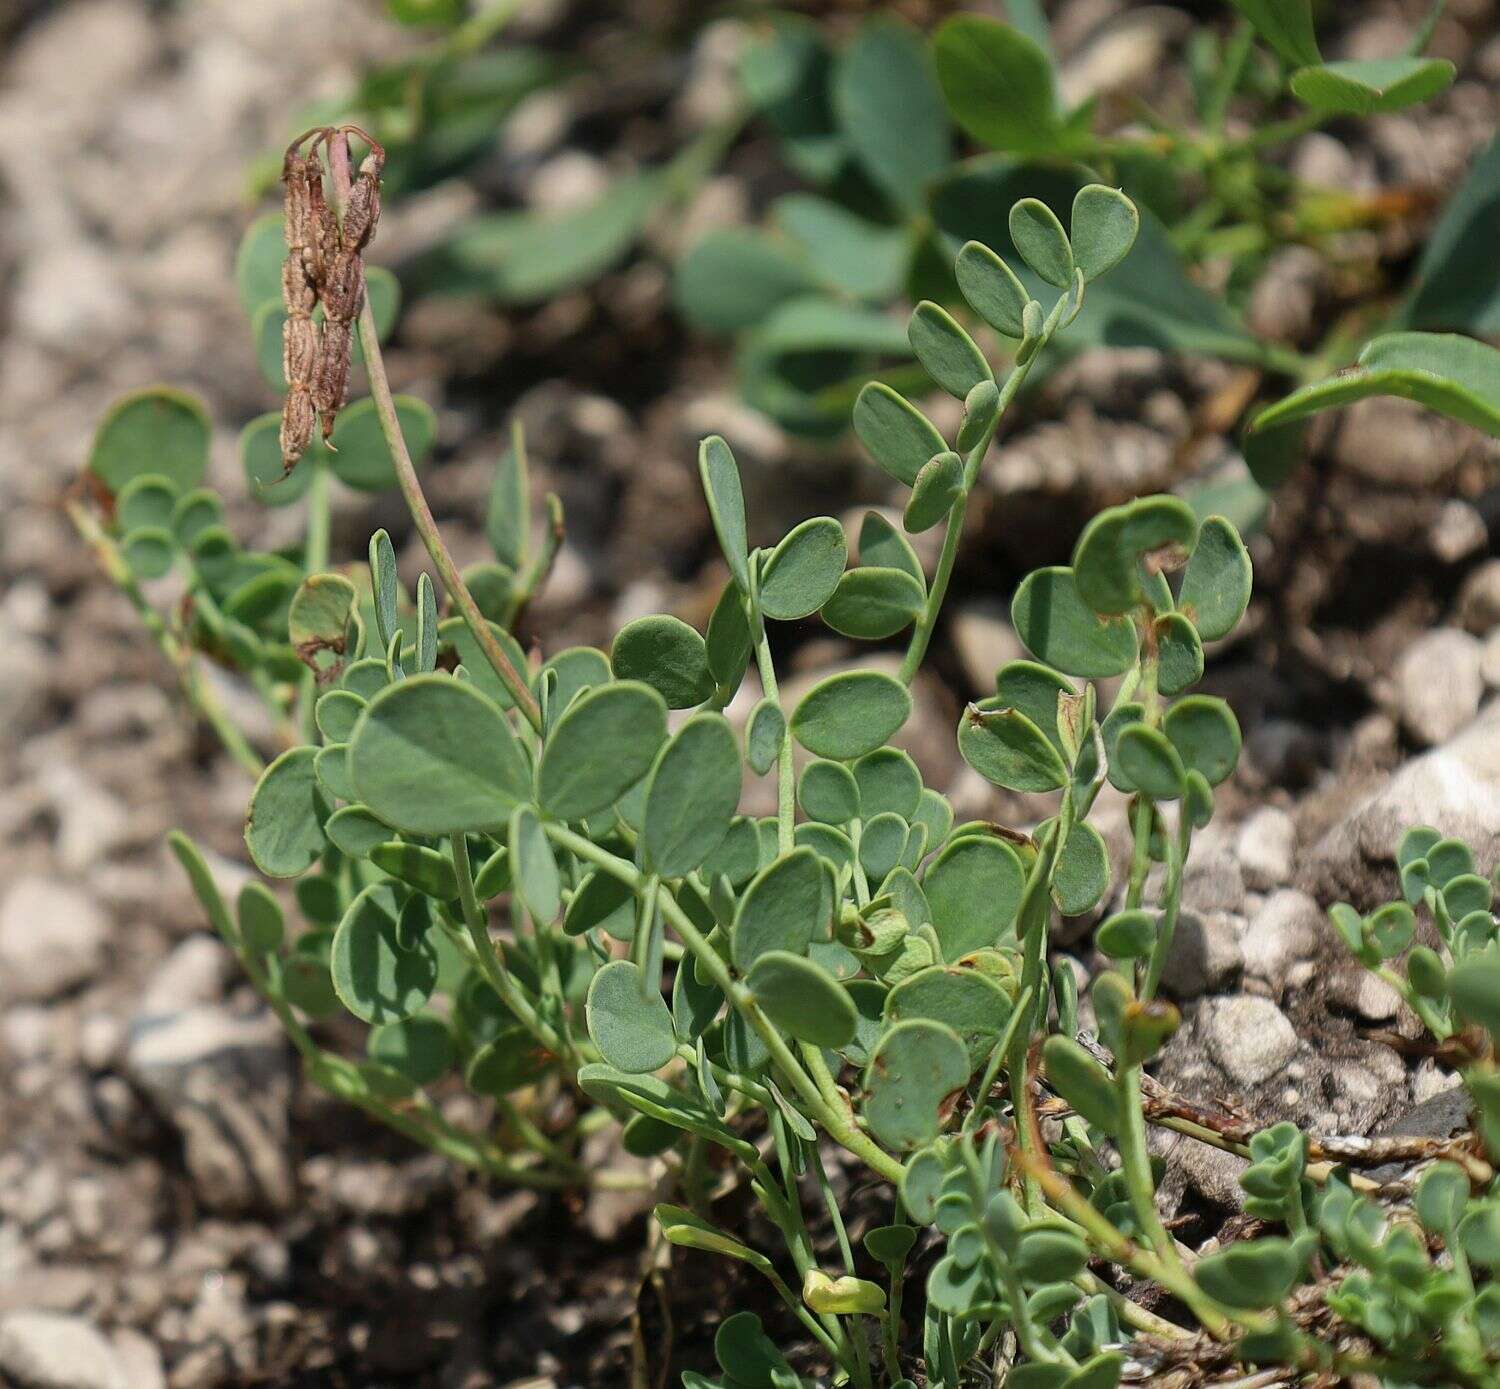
786, 777
831, 1110
938, 589
314, 561
1171, 906
489, 963
411, 486
194, 689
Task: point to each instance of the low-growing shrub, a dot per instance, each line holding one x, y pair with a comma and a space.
741, 996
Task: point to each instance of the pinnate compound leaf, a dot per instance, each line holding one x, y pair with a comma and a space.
1252, 1274
872, 603
938, 484
828, 792
899, 437
1474, 985
1361, 88
883, 546
1081, 877
433, 756
949, 355
692, 795
916, 1066
1104, 226
998, 84
802, 999
974, 1006
628, 1019
1122, 545
1082, 1082
891, 112
749, 1357
1041, 241
418, 1048
201, 878
801, 573
1062, 631
725, 495
764, 731
533, 865
363, 458
604, 743
1206, 735
1456, 376
283, 829
1179, 653
1286, 25
735, 276
850, 714
992, 289
666, 654
784, 908
1007, 748
1150, 762
973, 890
379, 977
1127, 935
1216, 584
155, 431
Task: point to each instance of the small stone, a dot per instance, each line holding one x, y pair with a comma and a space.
1205, 954
1478, 607
1457, 532
46, 1350
194, 973
1284, 932
1284, 302
1489, 660
985, 641
1439, 685
1364, 993
140, 1360
224, 1083
1266, 847
52, 940
1250, 1038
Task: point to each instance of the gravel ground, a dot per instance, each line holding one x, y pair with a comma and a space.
174, 1207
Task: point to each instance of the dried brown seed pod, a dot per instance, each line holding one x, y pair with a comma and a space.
362, 211
299, 350
342, 289
297, 420
324, 237
330, 382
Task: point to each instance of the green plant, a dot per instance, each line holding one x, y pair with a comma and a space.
873, 977
804, 295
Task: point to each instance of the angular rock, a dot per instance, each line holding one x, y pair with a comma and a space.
1266, 848
1250, 1038
1478, 607
224, 1083
47, 1350
1285, 931
1205, 955
52, 939
1439, 684
1455, 788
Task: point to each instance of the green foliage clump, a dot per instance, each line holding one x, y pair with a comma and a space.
739, 995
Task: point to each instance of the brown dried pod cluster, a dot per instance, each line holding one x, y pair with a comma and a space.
324, 264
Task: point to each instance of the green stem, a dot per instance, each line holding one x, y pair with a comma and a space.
411, 486
1171, 906
832, 1110
314, 561
194, 689
938, 589
489, 962
786, 776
